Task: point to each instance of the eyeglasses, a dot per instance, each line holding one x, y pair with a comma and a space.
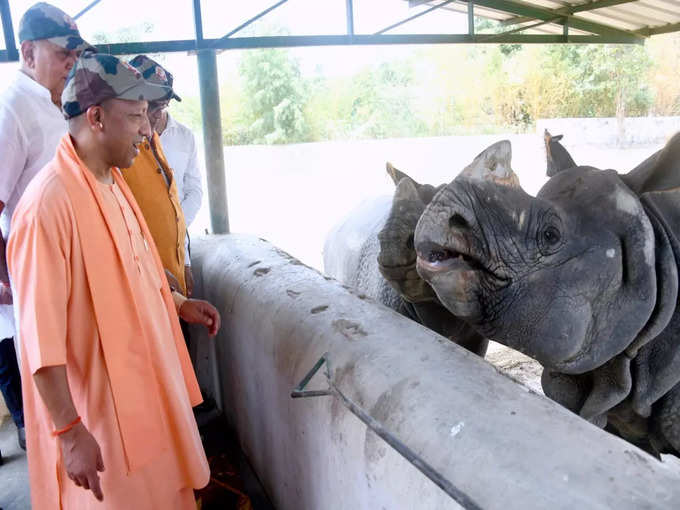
156, 107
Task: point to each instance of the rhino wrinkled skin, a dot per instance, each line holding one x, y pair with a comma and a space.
583, 278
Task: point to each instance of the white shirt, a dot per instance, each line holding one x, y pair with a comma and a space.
179, 146
31, 126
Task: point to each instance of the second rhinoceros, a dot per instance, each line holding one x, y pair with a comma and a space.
583, 278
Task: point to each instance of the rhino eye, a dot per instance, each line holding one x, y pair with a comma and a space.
551, 236
549, 240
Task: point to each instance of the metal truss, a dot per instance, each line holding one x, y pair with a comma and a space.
519, 17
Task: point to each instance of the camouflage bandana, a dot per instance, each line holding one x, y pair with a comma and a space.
45, 21
155, 73
96, 77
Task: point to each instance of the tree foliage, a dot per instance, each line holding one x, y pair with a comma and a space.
444, 90
275, 95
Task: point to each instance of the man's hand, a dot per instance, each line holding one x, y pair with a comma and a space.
82, 459
197, 311
5, 294
189, 280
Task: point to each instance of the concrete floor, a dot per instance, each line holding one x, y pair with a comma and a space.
14, 487
14, 491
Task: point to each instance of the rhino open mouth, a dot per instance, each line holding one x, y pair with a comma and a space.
444, 258
434, 258
439, 258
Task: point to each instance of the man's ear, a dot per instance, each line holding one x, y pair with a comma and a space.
95, 117
28, 54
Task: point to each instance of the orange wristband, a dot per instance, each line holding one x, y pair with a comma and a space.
68, 427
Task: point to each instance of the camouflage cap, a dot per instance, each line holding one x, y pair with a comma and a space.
96, 77
45, 21
155, 73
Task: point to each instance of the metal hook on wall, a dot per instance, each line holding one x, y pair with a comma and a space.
414, 459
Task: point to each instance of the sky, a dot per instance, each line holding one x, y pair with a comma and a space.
300, 17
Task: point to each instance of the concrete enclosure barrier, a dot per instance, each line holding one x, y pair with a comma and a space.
497, 444
604, 130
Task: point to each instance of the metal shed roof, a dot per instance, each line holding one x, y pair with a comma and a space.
635, 19
530, 21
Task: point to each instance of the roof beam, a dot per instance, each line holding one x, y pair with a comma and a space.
90, 6
198, 23
10, 52
522, 29
349, 13
253, 19
664, 29
590, 6
539, 13
413, 17
240, 43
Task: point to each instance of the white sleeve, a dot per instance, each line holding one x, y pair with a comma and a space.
187, 258
14, 150
193, 193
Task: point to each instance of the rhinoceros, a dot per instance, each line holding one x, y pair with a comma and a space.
372, 250
583, 278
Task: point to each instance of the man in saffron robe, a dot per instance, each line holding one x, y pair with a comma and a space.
108, 384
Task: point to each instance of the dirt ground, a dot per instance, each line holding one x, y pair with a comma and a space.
527, 371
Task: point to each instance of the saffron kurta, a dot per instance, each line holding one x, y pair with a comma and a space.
127, 365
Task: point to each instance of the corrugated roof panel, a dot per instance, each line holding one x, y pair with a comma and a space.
645, 15
612, 20
632, 16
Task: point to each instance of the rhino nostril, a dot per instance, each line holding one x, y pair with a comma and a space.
458, 221
409, 242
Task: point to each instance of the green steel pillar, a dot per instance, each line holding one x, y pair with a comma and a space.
212, 139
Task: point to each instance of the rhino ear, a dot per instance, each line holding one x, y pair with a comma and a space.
397, 175
557, 157
550, 138
407, 189
493, 164
661, 171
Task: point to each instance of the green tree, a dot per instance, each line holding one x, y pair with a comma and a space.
664, 51
275, 96
608, 80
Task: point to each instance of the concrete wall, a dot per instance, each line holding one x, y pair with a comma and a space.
501, 445
604, 131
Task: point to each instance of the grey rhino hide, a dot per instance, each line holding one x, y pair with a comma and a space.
583, 278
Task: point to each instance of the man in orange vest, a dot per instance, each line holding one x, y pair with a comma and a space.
153, 184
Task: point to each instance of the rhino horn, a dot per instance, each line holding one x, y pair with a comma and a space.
493, 164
